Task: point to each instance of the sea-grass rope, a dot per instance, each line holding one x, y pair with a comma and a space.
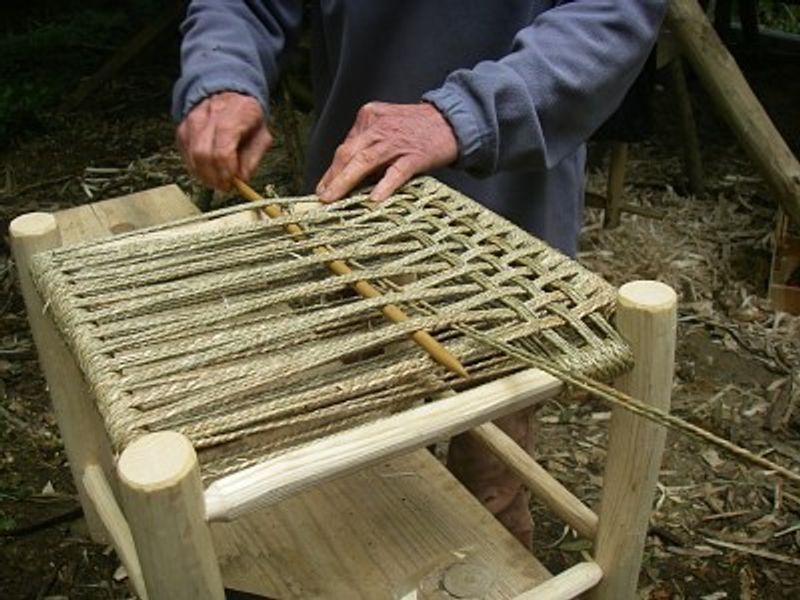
631, 404
230, 335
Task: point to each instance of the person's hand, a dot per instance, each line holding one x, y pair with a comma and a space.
224, 135
401, 140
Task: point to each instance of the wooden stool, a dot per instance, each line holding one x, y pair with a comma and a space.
396, 524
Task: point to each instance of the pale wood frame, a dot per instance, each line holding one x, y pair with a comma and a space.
152, 505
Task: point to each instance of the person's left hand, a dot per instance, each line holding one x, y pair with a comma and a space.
402, 140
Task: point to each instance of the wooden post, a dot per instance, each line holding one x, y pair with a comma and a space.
646, 317
162, 496
616, 183
737, 103
81, 427
690, 145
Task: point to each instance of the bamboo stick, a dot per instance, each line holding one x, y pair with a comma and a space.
365, 289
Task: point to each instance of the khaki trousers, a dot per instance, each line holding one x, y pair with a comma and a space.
490, 481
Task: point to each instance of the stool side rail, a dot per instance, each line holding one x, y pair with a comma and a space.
344, 452
566, 585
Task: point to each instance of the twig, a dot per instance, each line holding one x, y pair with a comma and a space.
755, 552
727, 515
35, 186
788, 530
13, 419
65, 517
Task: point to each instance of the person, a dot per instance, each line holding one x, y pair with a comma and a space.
495, 97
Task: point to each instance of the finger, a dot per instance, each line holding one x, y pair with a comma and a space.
201, 149
361, 135
252, 150
225, 155
187, 133
397, 173
363, 163
239, 123
355, 143
182, 142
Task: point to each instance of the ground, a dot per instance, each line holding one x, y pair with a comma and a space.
722, 529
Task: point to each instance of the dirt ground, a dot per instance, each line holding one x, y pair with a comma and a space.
722, 529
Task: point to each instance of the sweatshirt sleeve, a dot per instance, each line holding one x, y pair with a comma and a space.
566, 73
232, 45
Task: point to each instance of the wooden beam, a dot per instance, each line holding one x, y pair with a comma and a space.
647, 318
736, 102
567, 584
342, 453
543, 485
163, 499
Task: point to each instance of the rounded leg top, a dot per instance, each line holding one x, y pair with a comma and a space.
647, 295
33, 224
156, 461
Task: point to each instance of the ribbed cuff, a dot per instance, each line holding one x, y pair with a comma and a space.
187, 94
471, 137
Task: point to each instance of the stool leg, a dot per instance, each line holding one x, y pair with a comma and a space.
162, 497
616, 183
646, 317
81, 427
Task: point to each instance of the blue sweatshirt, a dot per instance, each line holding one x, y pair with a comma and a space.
522, 83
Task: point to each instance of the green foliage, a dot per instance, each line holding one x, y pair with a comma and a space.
7, 522
39, 66
780, 15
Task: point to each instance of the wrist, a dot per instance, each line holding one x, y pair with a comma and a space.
442, 133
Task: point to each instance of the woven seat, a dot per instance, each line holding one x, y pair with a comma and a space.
242, 340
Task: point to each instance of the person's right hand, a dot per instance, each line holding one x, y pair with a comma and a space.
224, 135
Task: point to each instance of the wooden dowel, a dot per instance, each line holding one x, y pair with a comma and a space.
365, 289
646, 317
80, 425
543, 485
737, 103
567, 584
273, 480
163, 499
97, 488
